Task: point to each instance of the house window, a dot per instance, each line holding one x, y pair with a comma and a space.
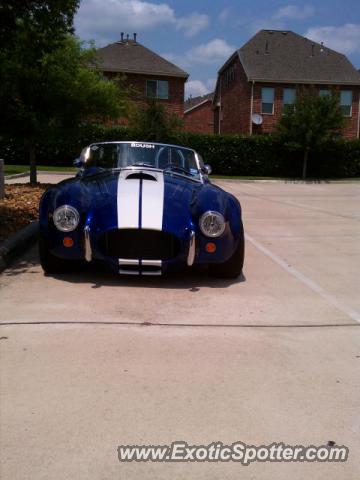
324, 93
289, 96
346, 102
267, 100
157, 89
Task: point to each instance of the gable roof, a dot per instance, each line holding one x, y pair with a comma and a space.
285, 56
194, 102
278, 56
129, 56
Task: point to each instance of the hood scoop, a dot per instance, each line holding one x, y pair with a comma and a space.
141, 176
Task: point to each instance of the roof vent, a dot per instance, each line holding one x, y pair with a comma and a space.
322, 47
122, 36
135, 34
312, 49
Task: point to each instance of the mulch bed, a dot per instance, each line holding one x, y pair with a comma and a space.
19, 207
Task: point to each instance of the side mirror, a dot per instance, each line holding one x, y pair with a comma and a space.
78, 163
207, 169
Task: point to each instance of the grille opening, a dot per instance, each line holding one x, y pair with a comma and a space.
134, 243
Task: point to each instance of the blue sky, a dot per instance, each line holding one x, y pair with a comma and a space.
200, 36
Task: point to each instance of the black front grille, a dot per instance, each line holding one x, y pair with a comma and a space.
139, 243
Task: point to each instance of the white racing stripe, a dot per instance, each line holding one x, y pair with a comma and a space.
128, 192
153, 203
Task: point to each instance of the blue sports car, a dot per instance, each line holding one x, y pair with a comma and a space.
142, 208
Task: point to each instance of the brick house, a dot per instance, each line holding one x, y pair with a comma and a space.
267, 72
199, 114
147, 72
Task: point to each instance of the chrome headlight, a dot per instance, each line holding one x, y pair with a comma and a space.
212, 224
66, 218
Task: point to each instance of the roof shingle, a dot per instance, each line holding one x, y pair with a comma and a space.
193, 102
129, 56
284, 56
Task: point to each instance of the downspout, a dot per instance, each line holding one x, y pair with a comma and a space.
251, 106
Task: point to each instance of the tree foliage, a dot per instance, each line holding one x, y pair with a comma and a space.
311, 122
154, 122
46, 85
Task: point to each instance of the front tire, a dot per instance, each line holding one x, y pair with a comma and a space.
233, 267
52, 264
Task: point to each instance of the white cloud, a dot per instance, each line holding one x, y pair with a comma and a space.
292, 12
193, 24
214, 53
345, 39
197, 88
104, 20
224, 15
278, 20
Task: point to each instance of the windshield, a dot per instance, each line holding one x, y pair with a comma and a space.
121, 155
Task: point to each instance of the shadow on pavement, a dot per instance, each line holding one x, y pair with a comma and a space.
101, 276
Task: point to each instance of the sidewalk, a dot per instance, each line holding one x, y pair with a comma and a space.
43, 177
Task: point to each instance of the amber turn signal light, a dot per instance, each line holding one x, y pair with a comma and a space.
210, 247
68, 242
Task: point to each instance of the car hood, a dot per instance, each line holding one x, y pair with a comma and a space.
141, 198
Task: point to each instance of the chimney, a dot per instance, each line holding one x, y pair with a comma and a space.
122, 36
135, 37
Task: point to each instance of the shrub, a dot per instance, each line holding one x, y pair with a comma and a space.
265, 156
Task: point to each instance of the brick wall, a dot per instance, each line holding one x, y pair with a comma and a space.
200, 119
235, 102
236, 105
175, 102
270, 121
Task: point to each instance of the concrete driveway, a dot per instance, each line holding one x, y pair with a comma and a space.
90, 361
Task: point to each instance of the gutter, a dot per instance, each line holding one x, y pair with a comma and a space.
305, 82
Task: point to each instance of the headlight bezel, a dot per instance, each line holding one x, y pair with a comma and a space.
205, 216
65, 209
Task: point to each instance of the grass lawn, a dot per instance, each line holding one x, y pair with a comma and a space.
13, 169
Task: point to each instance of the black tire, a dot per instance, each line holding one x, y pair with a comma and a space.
233, 267
52, 264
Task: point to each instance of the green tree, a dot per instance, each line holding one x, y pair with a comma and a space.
56, 96
153, 122
46, 85
311, 122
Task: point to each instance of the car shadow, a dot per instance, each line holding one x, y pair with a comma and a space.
99, 276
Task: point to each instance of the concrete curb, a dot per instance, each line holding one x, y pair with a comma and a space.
17, 243
17, 175
49, 172
39, 173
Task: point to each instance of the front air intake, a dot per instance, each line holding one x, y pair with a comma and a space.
135, 243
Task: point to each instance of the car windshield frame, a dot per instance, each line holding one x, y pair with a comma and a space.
168, 158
